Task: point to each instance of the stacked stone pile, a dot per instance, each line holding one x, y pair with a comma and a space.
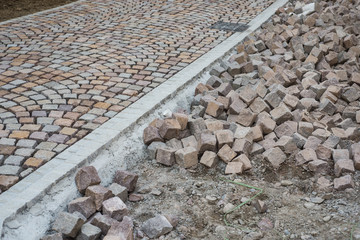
293, 88
102, 213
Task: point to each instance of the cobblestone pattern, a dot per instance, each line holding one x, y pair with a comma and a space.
65, 72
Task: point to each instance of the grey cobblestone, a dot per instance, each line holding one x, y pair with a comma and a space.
9, 170
25, 152
47, 146
7, 141
14, 160
27, 143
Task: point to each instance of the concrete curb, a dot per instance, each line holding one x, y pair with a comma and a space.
30, 190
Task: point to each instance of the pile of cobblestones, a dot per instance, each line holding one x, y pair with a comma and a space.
290, 94
102, 212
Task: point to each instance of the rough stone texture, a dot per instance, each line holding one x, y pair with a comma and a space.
126, 179
207, 142
151, 134
7, 181
244, 160
242, 146
260, 206
343, 183
86, 177
123, 230
246, 117
214, 109
55, 236
281, 114
166, 156
115, 208
189, 142
224, 137
338, 154
169, 129
287, 144
99, 194
305, 129
305, 156
153, 147
209, 159
318, 166
103, 222
234, 168
226, 153
119, 191
89, 232
68, 224
343, 166
287, 128
275, 156
182, 119
174, 143
187, 157
83, 205
156, 227
323, 152
267, 124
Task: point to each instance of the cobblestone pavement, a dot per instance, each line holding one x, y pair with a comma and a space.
65, 72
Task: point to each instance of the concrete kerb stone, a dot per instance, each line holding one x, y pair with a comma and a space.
28, 191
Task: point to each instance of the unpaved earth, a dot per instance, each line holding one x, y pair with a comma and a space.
18, 8
290, 208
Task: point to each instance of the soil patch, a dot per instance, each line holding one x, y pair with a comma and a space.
18, 8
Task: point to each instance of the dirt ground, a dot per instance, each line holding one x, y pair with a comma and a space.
16, 8
295, 210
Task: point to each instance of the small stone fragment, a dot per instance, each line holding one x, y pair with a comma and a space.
134, 197
260, 206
